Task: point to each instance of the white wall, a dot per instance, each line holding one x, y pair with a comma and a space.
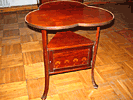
9, 3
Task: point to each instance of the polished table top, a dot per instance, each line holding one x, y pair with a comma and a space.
67, 14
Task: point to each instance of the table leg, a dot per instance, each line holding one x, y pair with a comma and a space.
94, 58
45, 53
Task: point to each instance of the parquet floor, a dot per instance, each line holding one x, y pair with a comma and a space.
22, 71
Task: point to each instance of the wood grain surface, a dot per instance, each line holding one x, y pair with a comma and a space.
67, 14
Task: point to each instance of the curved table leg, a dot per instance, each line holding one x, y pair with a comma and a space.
45, 53
94, 58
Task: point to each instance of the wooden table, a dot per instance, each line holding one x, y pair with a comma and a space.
63, 15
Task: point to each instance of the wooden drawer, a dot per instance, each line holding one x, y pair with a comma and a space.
69, 58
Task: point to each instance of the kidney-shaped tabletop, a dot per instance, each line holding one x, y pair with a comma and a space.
67, 14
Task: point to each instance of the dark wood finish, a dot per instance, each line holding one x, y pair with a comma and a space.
69, 69
68, 39
71, 57
67, 14
94, 57
68, 50
46, 63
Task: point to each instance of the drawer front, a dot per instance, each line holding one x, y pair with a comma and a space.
71, 57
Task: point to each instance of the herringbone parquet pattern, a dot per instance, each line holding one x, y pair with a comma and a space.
22, 71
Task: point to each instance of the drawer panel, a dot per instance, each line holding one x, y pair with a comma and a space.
71, 57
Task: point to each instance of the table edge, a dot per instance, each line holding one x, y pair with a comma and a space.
73, 25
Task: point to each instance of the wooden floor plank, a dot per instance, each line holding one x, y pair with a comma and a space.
34, 71
28, 38
35, 88
31, 46
11, 49
11, 60
13, 90
12, 74
121, 90
32, 57
10, 40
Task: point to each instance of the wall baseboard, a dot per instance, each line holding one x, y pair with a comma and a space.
18, 8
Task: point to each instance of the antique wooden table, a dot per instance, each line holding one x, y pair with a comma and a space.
63, 15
